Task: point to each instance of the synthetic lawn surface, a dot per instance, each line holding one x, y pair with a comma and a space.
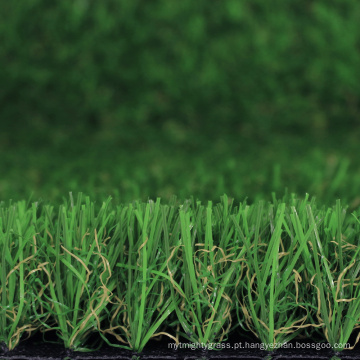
148, 166
124, 273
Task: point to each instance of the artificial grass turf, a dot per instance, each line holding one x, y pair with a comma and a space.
125, 273
159, 169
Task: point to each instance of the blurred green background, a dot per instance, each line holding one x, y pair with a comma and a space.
141, 99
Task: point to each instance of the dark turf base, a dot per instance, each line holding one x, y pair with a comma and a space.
36, 349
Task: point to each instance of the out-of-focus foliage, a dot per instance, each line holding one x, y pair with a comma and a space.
188, 97
127, 67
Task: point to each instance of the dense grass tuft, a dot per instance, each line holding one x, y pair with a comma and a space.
189, 271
